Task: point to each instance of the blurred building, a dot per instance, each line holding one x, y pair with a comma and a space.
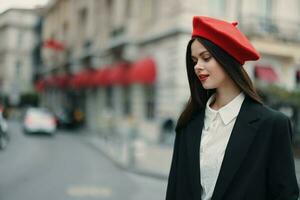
122, 62
17, 58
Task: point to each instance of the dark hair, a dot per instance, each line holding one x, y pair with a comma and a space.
199, 95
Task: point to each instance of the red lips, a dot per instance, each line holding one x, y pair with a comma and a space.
203, 77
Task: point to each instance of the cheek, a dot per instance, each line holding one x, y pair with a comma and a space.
222, 76
218, 75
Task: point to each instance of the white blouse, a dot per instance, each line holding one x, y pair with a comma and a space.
216, 132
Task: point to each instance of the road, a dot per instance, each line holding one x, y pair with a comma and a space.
66, 167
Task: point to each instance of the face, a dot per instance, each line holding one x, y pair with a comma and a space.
208, 70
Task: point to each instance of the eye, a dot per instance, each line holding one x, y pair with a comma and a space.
207, 58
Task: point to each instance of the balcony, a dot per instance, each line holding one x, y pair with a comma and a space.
118, 37
276, 28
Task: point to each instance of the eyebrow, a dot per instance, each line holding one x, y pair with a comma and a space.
200, 53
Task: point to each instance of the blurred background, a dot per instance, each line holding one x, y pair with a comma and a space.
106, 80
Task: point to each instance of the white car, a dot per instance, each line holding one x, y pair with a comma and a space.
39, 120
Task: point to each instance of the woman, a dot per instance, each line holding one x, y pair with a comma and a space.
228, 145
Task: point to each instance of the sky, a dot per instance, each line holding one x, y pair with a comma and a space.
6, 4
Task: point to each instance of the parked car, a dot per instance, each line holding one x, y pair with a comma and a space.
69, 118
65, 119
39, 120
3, 131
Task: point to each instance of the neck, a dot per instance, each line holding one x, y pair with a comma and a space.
224, 95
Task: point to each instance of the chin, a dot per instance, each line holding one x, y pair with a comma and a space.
208, 87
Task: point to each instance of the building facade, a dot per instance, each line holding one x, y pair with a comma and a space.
96, 35
18, 39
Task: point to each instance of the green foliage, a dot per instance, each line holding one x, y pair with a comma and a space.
275, 93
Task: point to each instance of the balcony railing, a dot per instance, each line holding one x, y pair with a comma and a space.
118, 37
278, 28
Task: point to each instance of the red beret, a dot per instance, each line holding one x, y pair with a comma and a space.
225, 35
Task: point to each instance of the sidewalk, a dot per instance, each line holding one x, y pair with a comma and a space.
141, 157
135, 155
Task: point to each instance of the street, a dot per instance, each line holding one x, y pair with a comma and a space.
66, 167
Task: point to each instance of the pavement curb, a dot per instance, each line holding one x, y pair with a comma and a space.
107, 147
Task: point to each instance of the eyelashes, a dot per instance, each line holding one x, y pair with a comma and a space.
206, 59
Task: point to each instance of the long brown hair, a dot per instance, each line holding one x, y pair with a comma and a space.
199, 95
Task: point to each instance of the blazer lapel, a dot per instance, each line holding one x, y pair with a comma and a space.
240, 140
193, 137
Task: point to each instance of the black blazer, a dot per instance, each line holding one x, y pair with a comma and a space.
258, 162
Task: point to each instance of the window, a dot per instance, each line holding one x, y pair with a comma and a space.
128, 9
150, 10
109, 14
126, 102
266, 21
109, 97
20, 38
109, 4
18, 68
266, 8
65, 28
150, 101
82, 16
82, 22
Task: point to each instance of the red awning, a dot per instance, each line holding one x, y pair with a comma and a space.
53, 44
118, 74
101, 77
73, 80
62, 81
85, 80
266, 73
40, 85
95, 77
81, 79
143, 71
50, 81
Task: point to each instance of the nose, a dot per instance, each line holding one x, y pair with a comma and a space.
198, 67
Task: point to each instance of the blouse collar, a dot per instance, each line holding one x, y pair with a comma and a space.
227, 112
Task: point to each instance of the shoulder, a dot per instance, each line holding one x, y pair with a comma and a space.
274, 122
269, 122
271, 114
264, 112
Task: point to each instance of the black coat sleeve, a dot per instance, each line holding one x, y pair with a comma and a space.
171, 188
282, 181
